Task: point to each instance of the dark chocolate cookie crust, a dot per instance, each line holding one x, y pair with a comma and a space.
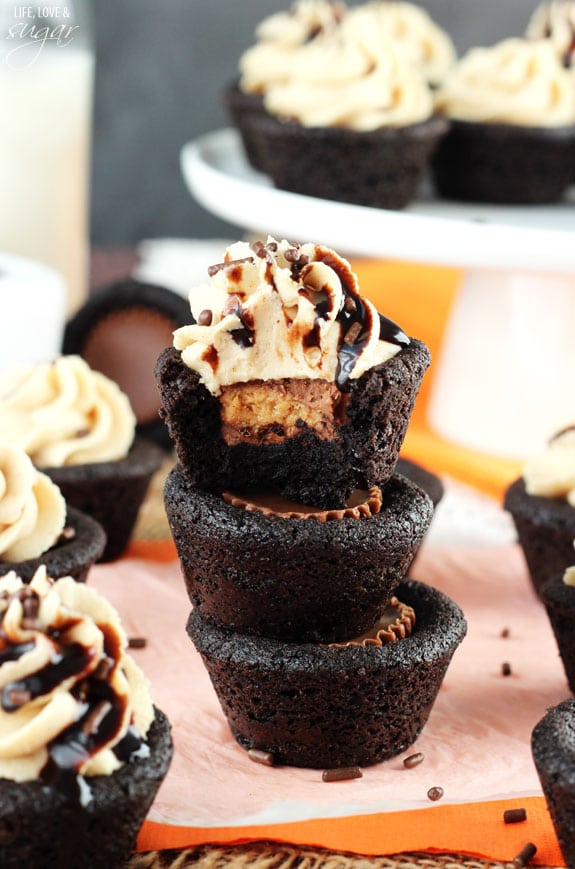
40, 829
319, 706
241, 108
553, 748
504, 163
545, 529
379, 168
73, 557
304, 468
111, 492
293, 579
559, 600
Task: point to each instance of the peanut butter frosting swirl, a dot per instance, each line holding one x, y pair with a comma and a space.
305, 20
361, 503
517, 81
551, 473
352, 79
413, 33
32, 509
395, 624
555, 21
64, 413
73, 703
278, 310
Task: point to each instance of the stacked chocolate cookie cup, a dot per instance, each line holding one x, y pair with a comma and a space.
294, 549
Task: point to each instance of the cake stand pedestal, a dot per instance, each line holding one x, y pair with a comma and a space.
504, 378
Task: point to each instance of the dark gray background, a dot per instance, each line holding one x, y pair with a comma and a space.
161, 66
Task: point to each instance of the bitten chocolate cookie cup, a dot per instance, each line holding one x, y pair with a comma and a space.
380, 168
324, 706
41, 829
504, 163
293, 579
80, 545
546, 531
559, 600
553, 748
323, 472
111, 492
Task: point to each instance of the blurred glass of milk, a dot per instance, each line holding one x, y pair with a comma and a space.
46, 85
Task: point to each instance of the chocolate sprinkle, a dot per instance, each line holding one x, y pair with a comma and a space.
413, 760
260, 756
205, 317
137, 643
213, 270
344, 773
514, 816
524, 857
505, 633
434, 794
506, 669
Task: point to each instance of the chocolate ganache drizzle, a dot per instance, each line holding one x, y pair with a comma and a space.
353, 315
69, 673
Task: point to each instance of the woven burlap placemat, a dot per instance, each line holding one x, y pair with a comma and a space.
270, 855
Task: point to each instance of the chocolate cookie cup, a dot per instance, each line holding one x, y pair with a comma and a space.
41, 829
294, 579
80, 546
546, 531
559, 600
361, 452
242, 107
120, 331
553, 748
380, 168
324, 706
504, 163
111, 492
426, 480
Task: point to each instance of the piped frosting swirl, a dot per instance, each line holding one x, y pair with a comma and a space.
281, 310
73, 703
32, 508
64, 413
517, 81
551, 473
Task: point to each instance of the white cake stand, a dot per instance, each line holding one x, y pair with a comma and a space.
505, 377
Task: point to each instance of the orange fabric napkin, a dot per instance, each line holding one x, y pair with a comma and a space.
476, 743
419, 298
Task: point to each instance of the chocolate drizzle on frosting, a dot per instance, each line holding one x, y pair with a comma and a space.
396, 623
81, 669
361, 503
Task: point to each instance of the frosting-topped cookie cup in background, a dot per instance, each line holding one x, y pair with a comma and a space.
37, 527
336, 102
289, 380
512, 134
542, 505
78, 428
